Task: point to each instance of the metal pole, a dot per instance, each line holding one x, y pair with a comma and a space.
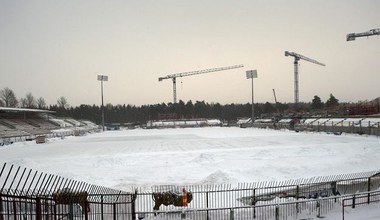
174, 91
253, 108
296, 88
102, 105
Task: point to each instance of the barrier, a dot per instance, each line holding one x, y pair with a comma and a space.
41, 139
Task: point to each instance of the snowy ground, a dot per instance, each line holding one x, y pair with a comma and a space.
120, 159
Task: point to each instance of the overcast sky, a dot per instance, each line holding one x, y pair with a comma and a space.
57, 48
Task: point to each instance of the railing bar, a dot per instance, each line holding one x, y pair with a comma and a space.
2, 169
42, 182
44, 186
30, 185
14, 178
22, 175
6, 179
26, 181
57, 181
39, 178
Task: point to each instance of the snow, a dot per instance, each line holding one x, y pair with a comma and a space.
191, 156
217, 155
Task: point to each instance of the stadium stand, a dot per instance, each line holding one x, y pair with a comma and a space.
18, 124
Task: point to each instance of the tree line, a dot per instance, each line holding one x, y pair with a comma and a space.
141, 114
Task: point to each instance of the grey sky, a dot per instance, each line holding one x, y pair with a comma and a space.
56, 48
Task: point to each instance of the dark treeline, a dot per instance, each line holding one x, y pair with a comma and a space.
141, 114
188, 110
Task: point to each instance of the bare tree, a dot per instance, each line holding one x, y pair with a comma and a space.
23, 103
41, 104
8, 97
62, 102
30, 101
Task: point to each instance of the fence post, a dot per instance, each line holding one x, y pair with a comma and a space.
232, 214
319, 209
114, 211
207, 205
353, 202
297, 196
133, 205
254, 201
86, 209
369, 189
14, 209
101, 207
1, 207
71, 212
38, 209
343, 201
277, 212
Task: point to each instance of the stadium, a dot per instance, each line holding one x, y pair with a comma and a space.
218, 164
195, 110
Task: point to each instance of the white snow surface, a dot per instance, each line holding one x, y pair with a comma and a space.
217, 155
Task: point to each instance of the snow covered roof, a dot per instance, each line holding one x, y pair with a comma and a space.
6, 109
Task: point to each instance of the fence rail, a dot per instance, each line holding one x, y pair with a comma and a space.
256, 199
15, 180
30, 194
360, 199
23, 189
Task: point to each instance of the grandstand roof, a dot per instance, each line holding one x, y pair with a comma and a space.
6, 109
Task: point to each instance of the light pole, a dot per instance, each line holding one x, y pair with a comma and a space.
102, 78
250, 75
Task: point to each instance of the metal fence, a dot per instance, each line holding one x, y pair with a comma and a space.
30, 194
254, 200
359, 200
369, 129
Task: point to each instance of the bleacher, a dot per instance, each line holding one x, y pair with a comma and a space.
370, 126
17, 124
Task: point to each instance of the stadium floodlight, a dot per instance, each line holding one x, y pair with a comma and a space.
250, 75
102, 78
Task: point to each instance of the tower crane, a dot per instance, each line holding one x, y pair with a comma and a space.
298, 57
176, 75
275, 98
352, 36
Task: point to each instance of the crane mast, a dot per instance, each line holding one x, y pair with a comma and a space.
353, 36
190, 73
298, 57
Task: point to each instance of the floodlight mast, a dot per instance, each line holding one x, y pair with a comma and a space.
353, 36
298, 57
174, 76
102, 78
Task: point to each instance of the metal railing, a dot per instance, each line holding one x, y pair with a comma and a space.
360, 199
257, 199
102, 207
15, 180
30, 194
366, 128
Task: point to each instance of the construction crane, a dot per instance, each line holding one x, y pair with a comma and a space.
352, 36
176, 75
298, 57
275, 98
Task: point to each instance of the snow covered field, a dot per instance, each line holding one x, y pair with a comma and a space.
120, 159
